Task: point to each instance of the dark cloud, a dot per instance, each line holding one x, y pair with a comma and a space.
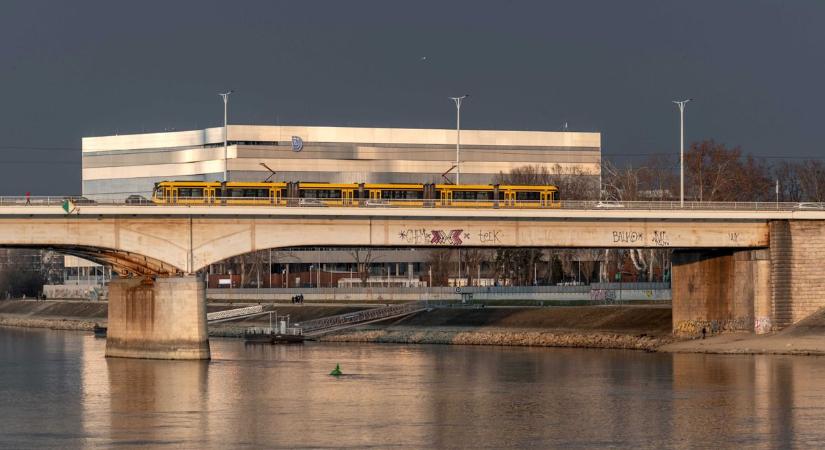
72, 69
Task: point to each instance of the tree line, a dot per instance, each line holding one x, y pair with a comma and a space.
715, 172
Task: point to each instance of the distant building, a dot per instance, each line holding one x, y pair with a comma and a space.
115, 167
118, 166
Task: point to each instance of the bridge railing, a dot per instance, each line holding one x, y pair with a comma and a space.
598, 205
442, 290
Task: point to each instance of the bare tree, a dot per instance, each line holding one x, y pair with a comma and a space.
473, 258
363, 260
812, 180
439, 266
574, 183
790, 186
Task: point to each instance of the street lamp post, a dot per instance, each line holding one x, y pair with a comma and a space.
457, 101
225, 96
681, 104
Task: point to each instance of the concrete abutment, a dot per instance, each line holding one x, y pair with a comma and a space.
157, 318
759, 290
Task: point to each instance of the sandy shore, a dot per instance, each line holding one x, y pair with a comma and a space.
749, 343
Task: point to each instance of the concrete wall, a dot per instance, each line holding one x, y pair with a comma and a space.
771, 288
163, 318
797, 256
718, 290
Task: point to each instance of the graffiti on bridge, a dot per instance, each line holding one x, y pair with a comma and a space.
423, 236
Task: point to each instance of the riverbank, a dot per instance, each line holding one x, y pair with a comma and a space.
613, 327
806, 337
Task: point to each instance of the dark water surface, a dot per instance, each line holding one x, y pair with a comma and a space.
57, 390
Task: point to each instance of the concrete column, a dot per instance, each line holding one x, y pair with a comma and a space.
718, 290
763, 317
160, 318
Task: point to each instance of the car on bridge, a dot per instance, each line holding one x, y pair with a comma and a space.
608, 204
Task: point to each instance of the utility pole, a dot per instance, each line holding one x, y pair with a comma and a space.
681, 104
457, 101
225, 96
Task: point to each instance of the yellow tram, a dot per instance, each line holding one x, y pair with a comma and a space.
355, 194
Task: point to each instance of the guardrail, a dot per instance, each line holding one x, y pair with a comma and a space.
443, 290
104, 200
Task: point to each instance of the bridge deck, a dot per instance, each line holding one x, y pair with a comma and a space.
580, 210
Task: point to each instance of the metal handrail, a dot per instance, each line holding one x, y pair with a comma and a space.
234, 313
104, 200
369, 315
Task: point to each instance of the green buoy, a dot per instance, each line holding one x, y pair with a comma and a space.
336, 371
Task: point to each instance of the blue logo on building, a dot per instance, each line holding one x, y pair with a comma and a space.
297, 143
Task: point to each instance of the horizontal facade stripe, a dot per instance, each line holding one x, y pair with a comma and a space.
364, 153
353, 135
317, 165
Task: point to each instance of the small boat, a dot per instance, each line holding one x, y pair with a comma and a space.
100, 332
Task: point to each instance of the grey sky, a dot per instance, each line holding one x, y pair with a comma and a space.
72, 69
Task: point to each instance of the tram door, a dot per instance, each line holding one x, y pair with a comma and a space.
446, 197
509, 199
546, 199
172, 195
346, 197
274, 196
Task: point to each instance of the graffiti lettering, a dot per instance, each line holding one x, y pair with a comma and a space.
660, 238
415, 236
627, 236
489, 237
734, 237
441, 237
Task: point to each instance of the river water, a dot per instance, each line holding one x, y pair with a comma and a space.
57, 390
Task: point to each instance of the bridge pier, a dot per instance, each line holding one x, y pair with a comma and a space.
157, 318
721, 290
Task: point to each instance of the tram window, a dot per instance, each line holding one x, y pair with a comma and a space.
394, 194
159, 192
555, 196
472, 195
320, 193
190, 192
256, 193
528, 196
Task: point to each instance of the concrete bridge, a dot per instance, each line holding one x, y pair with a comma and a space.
743, 268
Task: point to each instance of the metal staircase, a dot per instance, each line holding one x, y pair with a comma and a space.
318, 327
238, 313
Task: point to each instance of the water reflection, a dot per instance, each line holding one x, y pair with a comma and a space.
405, 396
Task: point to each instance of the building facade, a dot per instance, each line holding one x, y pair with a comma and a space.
115, 167
118, 166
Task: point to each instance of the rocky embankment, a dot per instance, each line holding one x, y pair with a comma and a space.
507, 337
640, 328
56, 315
